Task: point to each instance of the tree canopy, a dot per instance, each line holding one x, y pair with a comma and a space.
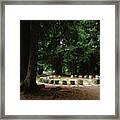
70, 47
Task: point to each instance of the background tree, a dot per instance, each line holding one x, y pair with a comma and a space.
71, 46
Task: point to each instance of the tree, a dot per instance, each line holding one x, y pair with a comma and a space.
29, 37
70, 45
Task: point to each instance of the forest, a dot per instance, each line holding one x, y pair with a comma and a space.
64, 47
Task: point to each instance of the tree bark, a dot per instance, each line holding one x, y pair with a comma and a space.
24, 48
29, 84
58, 64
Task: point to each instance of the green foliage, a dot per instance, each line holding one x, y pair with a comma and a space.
72, 45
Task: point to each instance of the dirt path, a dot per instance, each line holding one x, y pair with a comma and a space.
65, 93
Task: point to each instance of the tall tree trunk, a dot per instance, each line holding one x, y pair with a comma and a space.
24, 48
29, 84
73, 67
58, 64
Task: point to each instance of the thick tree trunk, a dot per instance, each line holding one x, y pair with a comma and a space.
24, 48
29, 84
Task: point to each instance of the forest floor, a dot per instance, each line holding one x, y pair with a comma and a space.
51, 92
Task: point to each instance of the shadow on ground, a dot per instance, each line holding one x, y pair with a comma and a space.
64, 93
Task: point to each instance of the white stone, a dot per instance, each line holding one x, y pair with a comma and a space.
90, 76
80, 76
71, 76
85, 76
